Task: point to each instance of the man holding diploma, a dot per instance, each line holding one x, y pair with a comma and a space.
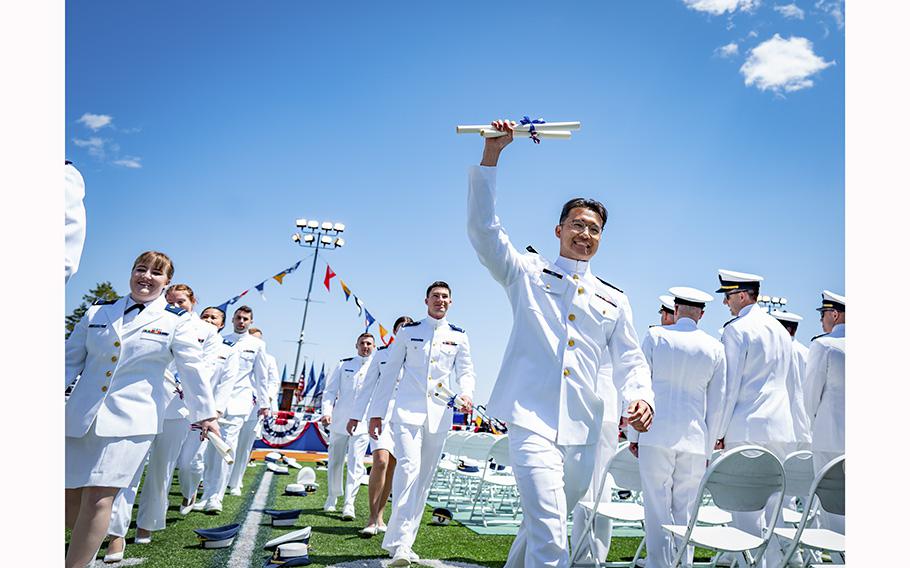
568, 323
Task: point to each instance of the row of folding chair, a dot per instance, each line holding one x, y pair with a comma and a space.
742, 479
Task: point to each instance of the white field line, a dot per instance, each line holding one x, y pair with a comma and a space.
246, 539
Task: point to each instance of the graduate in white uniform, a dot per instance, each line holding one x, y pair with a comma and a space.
165, 449
825, 386
191, 462
383, 449
425, 353
242, 391
341, 390
252, 428
120, 350
688, 373
759, 354
667, 309
566, 324
796, 386
74, 225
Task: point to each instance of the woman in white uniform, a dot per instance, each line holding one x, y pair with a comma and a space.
165, 448
120, 350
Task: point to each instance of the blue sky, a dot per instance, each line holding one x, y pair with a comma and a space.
211, 127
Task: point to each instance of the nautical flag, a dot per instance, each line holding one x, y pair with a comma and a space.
345, 289
223, 307
359, 306
261, 289
328, 277
311, 383
280, 276
320, 384
293, 268
382, 333
369, 320
284, 373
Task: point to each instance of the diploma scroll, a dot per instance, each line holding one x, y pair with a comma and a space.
556, 134
226, 452
477, 128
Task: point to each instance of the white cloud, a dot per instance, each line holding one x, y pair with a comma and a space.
718, 7
790, 11
95, 121
728, 50
753, 33
133, 162
782, 65
834, 8
94, 144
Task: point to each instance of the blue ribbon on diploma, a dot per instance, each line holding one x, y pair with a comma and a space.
526, 120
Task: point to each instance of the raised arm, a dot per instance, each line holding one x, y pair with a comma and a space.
485, 231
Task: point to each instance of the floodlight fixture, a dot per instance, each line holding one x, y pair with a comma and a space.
775, 300
312, 224
783, 301
326, 240
327, 225
295, 237
339, 242
309, 238
339, 227
301, 223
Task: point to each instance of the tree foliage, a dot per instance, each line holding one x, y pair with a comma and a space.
101, 291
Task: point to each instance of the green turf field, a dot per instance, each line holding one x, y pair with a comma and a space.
332, 541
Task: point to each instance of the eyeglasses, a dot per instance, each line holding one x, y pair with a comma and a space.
728, 294
579, 228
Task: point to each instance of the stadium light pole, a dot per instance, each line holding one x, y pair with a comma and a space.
315, 235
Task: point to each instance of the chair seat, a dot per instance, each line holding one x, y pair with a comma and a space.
718, 538
630, 512
791, 516
711, 515
820, 539
447, 465
502, 480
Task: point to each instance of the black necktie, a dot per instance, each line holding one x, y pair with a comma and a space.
139, 307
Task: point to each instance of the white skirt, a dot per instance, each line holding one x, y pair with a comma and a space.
385, 440
103, 461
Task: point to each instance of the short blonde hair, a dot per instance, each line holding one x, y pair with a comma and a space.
155, 259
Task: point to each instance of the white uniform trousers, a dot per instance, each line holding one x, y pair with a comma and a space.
244, 448
153, 500
191, 464
215, 476
551, 479
757, 523
122, 507
338, 447
418, 452
827, 520
603, 528
669, 481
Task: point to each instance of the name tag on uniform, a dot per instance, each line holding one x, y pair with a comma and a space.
348, 370
249, 351
551, 273
382, 362
449, 343
416, 339
97, 325
155, 331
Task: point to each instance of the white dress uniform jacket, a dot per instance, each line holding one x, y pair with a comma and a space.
688, 373
122, 366
825, 384
566, 322
801, 424
244, 377
209, 339
274, 387
74, 225
342, 389
424, 353
759, 355
370, 385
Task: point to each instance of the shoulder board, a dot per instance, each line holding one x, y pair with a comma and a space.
66, 162
817, 336
652, 325
412, 324
228, 342
100, 302
174, 310
530, 249
731, 321
346, 360
610, 285
383, 347
456, 328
